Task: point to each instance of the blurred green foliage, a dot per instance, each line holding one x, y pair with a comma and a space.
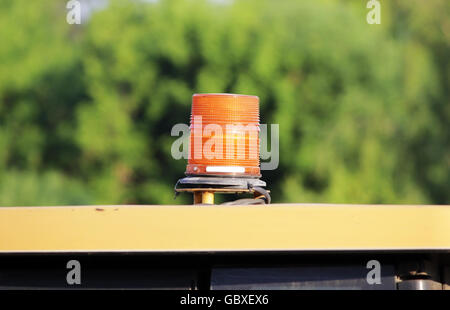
86, 110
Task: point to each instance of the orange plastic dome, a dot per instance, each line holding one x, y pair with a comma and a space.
224, 138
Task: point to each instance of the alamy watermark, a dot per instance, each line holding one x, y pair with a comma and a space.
374, 275
374, 15
214, 141
73, 277
74, 12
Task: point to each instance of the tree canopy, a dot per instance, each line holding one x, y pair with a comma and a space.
86, 110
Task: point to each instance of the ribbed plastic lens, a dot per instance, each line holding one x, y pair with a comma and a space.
224, 137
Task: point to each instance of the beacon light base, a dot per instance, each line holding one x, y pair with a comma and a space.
204, 188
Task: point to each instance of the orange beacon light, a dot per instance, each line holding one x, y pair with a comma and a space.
224, 138
224, 149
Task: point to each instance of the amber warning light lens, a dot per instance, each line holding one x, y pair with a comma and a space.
224, 136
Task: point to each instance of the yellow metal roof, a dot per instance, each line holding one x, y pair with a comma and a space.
277, 227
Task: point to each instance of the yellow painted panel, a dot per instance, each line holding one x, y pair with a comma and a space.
222, 228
